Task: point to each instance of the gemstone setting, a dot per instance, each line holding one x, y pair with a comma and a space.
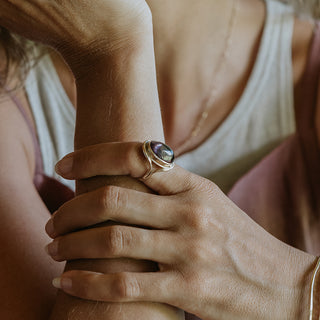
162, 151
160, 157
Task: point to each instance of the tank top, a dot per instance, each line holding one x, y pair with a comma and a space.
261, 120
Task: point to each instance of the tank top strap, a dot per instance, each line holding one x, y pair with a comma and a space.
38, 158
52, 192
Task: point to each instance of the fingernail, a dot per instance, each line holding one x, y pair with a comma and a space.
52, 248
64, 166
50, 228
62, 283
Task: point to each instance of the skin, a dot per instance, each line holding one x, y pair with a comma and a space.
132, 43
203, 243
172, 103
93, 286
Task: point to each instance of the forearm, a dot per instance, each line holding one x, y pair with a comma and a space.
117, 101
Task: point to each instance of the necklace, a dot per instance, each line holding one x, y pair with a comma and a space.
211, 98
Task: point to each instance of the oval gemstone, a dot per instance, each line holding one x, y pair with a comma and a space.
162, 151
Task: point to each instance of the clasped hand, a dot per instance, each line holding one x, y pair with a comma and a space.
213, 260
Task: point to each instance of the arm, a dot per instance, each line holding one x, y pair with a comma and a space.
118, 101
110, 44
25, 269
25, 294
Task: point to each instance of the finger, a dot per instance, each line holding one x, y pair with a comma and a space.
116, 242
116, 204
124, 158
162, 287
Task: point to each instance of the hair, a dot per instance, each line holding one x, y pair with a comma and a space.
18, 56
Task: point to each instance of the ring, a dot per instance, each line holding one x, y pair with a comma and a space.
158, 154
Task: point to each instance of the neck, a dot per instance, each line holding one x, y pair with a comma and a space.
187, 32
189, 41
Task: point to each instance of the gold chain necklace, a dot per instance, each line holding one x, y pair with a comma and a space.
209, 101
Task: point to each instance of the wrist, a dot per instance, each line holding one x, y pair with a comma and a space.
109, 48
123, 87
296, 300
286, 288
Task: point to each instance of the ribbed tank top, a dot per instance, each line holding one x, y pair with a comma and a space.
54, 115
261, 120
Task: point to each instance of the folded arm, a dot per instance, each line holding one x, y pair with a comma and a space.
117, 101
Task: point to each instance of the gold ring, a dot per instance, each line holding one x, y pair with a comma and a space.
160, 157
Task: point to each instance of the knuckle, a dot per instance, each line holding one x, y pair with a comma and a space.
212, 186
115, 240
191, 282
126, 287
205, 185
111, 198
198, 215
189, 181
196, 251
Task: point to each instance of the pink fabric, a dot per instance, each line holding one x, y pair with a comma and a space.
282, 193
52, 192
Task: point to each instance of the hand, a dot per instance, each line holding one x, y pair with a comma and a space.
77, 26
214, 261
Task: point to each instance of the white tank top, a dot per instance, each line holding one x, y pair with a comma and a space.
261, 120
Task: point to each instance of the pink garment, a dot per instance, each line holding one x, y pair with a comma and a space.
52, 192
281, 193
